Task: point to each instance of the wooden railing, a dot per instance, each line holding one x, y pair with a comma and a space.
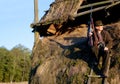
105, 5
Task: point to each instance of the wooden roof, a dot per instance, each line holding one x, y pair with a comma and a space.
61, 10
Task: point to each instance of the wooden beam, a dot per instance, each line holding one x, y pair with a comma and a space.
89, 11
95, 4
96, 9
114, 4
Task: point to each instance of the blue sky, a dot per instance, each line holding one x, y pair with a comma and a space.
15, 19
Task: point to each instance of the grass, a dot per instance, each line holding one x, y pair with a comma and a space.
16, 83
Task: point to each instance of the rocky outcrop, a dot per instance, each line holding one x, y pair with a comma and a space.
65, 59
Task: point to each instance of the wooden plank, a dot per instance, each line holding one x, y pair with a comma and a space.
114, 4
96, 9
98, 3
89, 11
96, 76
95, 4
52, 29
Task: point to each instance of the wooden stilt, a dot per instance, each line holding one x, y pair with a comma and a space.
104, 81
89, 76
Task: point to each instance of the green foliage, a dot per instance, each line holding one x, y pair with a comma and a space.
14, 64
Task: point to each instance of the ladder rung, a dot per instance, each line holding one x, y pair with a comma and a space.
97, 76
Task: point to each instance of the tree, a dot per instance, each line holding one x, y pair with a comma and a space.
5, 64
14, 64
21, 62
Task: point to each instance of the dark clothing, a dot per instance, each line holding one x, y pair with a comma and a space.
98, 51
106, 39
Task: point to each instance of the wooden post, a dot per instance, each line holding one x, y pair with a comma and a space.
36, 20
104, 81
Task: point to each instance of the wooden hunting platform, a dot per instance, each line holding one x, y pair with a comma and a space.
63, 11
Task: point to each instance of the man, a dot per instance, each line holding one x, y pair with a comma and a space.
102, 43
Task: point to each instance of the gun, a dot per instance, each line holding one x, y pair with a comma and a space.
95, 41
94, 32
90, 31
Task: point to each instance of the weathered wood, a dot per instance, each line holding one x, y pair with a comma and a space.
116, 3
96, 76
59, 13
89, 78
104, 81
95, 4
89, 11
52, 29
95, 9
36, 20
66, 9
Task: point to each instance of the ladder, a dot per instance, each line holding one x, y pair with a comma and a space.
104, 79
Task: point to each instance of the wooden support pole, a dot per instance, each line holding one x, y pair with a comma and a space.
104, 81
89, 78
36, 20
